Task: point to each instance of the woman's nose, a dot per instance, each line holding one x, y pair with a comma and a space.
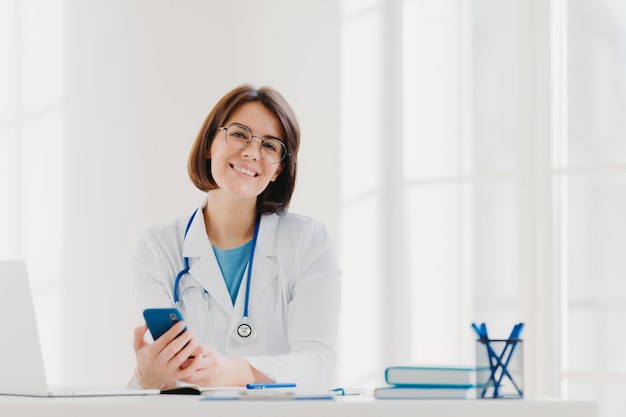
252, 150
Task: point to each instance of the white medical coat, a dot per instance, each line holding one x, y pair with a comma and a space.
294, 293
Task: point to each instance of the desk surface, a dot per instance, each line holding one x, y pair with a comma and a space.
362, 406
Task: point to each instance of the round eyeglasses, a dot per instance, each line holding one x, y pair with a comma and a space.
238, 136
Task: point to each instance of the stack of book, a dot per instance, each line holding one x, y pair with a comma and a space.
428, 382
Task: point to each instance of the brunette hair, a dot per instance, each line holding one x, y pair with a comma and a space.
276, 197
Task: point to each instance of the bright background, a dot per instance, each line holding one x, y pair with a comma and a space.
468, 156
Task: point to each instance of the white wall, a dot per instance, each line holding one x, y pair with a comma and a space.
140, 78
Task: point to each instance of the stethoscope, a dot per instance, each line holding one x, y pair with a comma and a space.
244, 333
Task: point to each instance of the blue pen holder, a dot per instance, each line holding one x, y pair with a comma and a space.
499, 368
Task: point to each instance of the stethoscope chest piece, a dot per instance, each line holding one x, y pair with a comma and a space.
244, 333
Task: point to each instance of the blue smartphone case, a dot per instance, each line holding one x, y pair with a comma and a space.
159, 320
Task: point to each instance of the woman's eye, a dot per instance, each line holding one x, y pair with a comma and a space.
238, 135
270, 147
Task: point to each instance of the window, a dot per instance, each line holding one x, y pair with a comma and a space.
484, 170
31, 150
590, 176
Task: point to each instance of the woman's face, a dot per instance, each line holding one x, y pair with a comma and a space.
243, 173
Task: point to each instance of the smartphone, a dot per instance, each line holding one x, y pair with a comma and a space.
159, 320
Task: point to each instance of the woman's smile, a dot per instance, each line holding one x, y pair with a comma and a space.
243, 170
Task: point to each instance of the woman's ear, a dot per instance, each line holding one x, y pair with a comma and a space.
277, 173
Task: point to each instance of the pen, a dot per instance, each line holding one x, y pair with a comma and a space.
271, 385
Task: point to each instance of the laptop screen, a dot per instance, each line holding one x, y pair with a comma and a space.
22, 369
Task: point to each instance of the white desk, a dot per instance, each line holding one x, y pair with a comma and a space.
361, 406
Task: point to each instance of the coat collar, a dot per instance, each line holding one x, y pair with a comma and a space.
205, 268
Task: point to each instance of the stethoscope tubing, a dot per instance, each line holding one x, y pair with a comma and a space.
205, 294
185, 269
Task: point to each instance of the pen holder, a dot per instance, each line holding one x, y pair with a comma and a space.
499, 368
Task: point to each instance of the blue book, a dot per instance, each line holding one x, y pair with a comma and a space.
431, 376
425, 393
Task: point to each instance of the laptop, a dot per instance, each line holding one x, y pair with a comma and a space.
22, 369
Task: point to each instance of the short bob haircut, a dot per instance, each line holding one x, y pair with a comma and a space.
276, 197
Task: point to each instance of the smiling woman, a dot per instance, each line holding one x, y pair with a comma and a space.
235, 152
270, 327
278, 118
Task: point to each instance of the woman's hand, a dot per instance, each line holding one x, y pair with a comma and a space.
211, 368
167, 360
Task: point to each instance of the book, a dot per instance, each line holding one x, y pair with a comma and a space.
431, 376
407, 393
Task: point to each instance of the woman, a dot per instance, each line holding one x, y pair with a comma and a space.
274, 322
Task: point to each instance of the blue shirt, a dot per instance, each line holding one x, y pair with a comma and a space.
233, 264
